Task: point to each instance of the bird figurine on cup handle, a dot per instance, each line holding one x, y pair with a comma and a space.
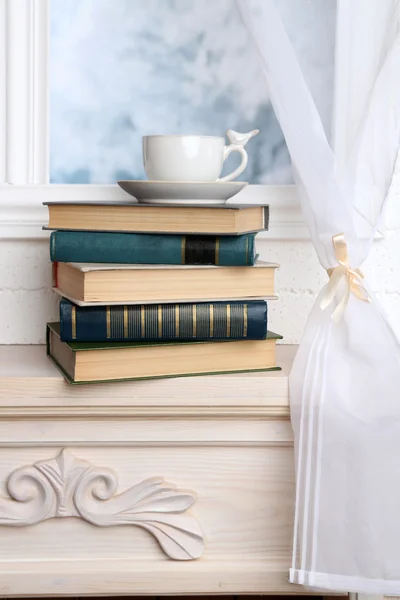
237, 143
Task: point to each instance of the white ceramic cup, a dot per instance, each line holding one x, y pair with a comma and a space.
191, 157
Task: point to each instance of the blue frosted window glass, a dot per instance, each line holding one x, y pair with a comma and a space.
121, 69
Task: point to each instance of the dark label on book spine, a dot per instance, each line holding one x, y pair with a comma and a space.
200, 250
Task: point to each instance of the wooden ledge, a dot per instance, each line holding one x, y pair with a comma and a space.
31, 385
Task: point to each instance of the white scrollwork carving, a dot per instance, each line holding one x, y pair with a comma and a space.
66, 486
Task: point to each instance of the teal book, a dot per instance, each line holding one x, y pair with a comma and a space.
237, 320
145, 249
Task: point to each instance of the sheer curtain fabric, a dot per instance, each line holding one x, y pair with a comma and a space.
345, 382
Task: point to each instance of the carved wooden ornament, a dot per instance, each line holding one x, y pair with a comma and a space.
66, 486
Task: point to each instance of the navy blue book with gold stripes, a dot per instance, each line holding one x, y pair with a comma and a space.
237, 320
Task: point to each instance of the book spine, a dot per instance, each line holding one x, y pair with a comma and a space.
155, 322
132, 248
266, 218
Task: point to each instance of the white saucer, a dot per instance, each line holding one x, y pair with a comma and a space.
182, 192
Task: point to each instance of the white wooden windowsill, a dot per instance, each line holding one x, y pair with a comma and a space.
30, 385
22, 214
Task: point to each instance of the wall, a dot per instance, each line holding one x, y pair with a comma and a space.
26, 302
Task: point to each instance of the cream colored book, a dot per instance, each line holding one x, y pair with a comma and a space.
85, 362
136, 284
148, 218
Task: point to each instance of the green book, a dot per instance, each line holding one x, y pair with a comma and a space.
97, 362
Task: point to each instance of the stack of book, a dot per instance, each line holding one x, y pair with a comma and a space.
158, 291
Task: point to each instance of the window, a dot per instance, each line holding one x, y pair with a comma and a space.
127, 68
29, 142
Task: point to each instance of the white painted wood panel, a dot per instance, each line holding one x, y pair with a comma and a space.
136, 432
96, 578
244, 505
65, 486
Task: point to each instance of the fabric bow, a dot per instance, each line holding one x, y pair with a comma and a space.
353, 280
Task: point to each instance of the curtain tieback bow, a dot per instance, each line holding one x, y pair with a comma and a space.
342, 278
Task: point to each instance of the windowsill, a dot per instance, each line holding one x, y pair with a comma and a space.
31, 385
22, 214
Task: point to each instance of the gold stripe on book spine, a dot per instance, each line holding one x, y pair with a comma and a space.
176, 320
228, 320
217, 251
245, 321
142, 322
194, 320
159, 320
108, 321
183, 248
73, 322
125, 321
211, 320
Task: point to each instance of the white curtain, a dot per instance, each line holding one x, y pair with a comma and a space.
345, 382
